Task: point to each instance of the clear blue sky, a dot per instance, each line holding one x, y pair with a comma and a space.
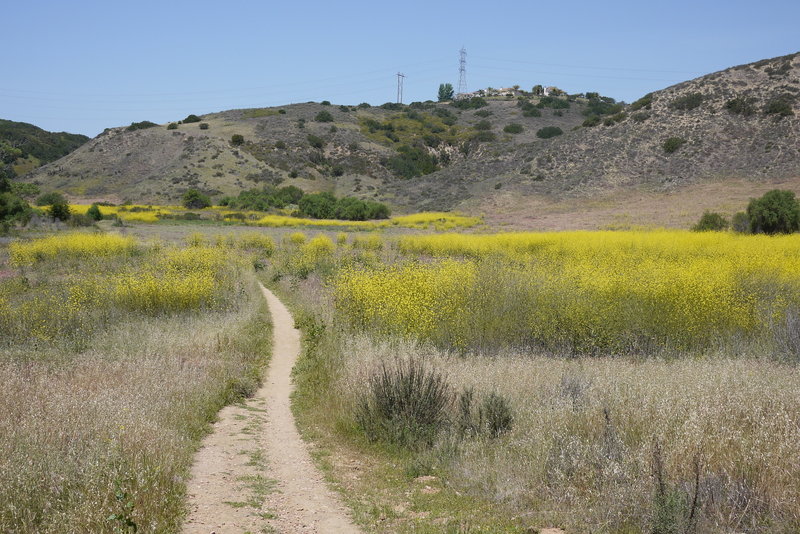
81, 66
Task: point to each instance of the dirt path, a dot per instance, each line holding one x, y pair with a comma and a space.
253, 472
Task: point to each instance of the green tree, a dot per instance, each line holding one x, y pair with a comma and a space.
318, 205
711, 222
324, 116
777, 212
48, 199
446, 92
237, 139
195, 200
94, 212
537, 90
191, 118
59, 210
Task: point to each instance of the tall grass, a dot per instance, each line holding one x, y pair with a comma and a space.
107, 391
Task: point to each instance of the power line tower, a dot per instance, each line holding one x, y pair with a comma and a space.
462, 72
400, 77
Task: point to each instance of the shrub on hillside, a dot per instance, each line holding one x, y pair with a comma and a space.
324, 116
237, 139
711, 222
672, 144
475, 102
318, 206
203, 126
513, 128
194, 199
593, 120
172, 126
483, 125
549, 131
646, 102
141, 126
412, 161
741, 105
191, 118
687, 102
94, 212
552, 102
315, 141
59, 210
47, 199
325, 103
776, 212
779, 106
280, 145
485, 137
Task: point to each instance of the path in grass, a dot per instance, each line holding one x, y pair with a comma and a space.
253, 472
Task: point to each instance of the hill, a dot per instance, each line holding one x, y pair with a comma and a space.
737, 126
23, 146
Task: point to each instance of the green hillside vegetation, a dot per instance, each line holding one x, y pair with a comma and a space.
23, 147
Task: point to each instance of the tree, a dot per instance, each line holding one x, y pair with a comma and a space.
537, 90
711, 222
318, 205
59, 210
445, 92
195, 200
94, 212
777, 212
237, 139
324, 116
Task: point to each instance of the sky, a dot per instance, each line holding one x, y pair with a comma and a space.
82, 66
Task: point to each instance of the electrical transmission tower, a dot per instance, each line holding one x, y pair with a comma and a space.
462, 72
400, 77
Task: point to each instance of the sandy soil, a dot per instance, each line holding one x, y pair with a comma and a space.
253, 472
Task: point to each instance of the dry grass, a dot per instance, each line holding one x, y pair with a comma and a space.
581, 454
97, 433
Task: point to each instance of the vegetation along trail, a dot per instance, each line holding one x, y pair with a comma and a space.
254, 472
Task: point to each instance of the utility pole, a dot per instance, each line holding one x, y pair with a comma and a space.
462, 72
400, 77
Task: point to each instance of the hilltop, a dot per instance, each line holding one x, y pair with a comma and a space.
23, 146
737, 127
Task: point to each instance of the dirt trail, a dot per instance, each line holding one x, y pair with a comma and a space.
254, 473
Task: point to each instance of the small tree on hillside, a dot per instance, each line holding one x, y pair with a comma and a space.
195, 200
59, 210
711, 222
777, 212
445, 92
94, 212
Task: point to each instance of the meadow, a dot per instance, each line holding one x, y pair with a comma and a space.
650, 378
115, 355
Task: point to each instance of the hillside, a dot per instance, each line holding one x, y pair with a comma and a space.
737, 125
23, 146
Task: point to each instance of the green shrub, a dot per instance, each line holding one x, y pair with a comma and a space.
602, 105
533, 112
172, 126
591, 121
672, 144
779, 106
315, 141
191, 118
552, 102
325, 103
646, 102
687, 102
344, 109
237, 139
412, 161
324, 116
363, 105
483, 125
485, 137
640, 117
495, 415
141, 126
405, 403
280, 145
194, 199
475, 102
549, 131
740, 222
48, 199
281, 112
59, 210
79, 220
203, 126
711, 222
23, 189
483, 113
513, 128
776, 212
318, 205
741, 105
94, 212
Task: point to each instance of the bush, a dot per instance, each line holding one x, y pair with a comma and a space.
94, 212
483, 113
672, 144
646, 102
141, 126
513, 128
776, 212
532, 112
48, 199
280, 145
475, 102
78, 220
711, 222
495, 415
740, 222
741, 105
483, 125
485, 137
779, 106
552, 102
318, 206
549, 131
195, 200
324, 116
315, 141
591, 121
687, 102
405, 404
172, 126
412, 161
325, 103
237, 139
191, 118
59, 211
12, 209
204, 126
